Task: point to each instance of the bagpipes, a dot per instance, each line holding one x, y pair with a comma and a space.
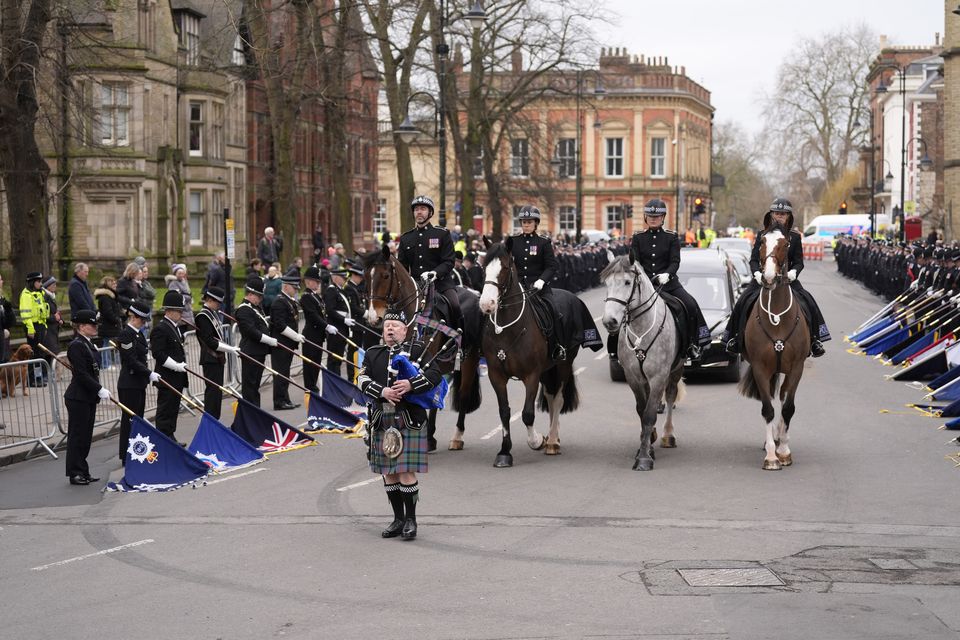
431, 398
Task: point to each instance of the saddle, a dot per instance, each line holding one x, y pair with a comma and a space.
680, 319
565, 322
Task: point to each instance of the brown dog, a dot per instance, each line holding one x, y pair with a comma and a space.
10, 377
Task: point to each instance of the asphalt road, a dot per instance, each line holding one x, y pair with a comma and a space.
860, 538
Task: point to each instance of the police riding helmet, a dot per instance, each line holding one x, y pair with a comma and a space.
779, 205
425, 201
529, 212
655, 207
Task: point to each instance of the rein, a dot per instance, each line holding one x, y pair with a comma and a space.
395, 284
498, 328
774, 318
629, 315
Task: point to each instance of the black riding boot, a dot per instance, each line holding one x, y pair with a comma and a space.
396, 501
816, 348
411, 493
733, 346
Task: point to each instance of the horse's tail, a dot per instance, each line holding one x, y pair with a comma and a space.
571, 397
748, 385
466, 400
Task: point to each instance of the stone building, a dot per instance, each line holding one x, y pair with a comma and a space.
951, 117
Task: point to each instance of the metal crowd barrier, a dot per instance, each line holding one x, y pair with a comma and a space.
31, 418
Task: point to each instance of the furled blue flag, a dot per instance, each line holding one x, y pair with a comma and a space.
882, 345
266, 432
220, 448
155, 462
945, 378
325, 417
431, 398
915, 347
952, 425
872, 329
339, 391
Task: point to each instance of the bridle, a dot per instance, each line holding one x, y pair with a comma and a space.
772, 316
503, 296
631, 314
392, 298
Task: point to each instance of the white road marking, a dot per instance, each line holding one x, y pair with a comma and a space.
601, 355
93, 555
358, 484
239, 475
497, 430
579, 371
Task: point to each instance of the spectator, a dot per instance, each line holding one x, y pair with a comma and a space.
271, 285
111, 316
296, 266
6, 321
177, 281
336, 259
78, 292
255, 268
52, 338
318, 244
147, 293
128, 287
270, 247
216, 274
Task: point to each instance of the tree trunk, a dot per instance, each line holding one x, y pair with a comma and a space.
335, 108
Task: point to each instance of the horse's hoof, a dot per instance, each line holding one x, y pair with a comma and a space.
668, 442
543, 442
456, 445
552, 450
644, 464
771, 465
503, 460
786, 459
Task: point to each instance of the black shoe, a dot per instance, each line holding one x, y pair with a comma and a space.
284, 406
693, 352
733, 347
816, 349
409, 529
91, 479
79, 480
393, 529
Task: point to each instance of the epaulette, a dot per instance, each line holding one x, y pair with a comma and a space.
670, 231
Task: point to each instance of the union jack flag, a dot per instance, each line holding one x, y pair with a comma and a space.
265, 432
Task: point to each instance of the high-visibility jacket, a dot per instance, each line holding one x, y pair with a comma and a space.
461, 246
34, 309
710, 234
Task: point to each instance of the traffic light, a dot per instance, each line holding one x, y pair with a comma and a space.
843, 207
698, 206
628, 210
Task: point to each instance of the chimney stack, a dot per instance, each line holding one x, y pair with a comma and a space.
516, 60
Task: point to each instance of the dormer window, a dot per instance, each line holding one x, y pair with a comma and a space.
188, 24
239, 54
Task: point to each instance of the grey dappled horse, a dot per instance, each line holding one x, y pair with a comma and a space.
648, 349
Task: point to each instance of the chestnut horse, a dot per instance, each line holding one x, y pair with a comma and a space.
776, 342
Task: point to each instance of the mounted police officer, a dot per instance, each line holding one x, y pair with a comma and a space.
658, 252
781, 212
388, 407
135, 373
166, 344
427, 253
82, 396
533, 253
284, 326
255, 339
314, 326
213, 348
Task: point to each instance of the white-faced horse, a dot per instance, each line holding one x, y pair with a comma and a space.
648, 348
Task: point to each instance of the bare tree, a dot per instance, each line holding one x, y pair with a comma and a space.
746, 193
813, 116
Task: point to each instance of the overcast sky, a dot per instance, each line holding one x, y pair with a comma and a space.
733, 47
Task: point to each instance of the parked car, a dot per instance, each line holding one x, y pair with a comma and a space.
741, 263
730, 245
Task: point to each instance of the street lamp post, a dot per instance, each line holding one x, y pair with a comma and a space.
599, 92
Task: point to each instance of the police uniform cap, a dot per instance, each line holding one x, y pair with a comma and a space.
215, 293
140, 309
291, 277
34, 275
529, 212
426, 201
655, 207
85, 316
395, 314
312, 273
173, 300
254, 284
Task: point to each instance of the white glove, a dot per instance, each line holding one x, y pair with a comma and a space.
915, 284
349, 322
758, 277
538, 285
428, 276
223, 346
792, 275
154, 376
270, 341
663, 278
103, 394
173, 365
332, 330
292, 335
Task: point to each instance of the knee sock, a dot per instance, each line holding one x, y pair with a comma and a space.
411, 494
396, 499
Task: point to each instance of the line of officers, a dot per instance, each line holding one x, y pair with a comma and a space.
888, 268
330, 306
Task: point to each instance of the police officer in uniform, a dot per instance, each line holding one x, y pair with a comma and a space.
213, 348
355, 290
314, 326
533, 253
284, 327
338, 313
658, 252
385, 393
427, 253
135, 373
255, 339
82, 396
166, 344
34, 312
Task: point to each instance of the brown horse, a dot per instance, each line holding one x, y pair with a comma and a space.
389, 284
777, 342
515, 347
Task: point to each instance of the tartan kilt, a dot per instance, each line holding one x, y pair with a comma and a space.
413, 458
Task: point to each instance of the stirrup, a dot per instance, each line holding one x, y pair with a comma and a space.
693, 351
733, 347
816, 349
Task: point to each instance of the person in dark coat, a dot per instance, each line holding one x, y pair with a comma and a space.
135, 373
284, 323
128, 286
315, 326
51, 340
78, 291
216, 274
81, 397
111, 316
474, 272
166, 344
270, 246
388, 407
213, 349
255, 339
7, 318
338, 310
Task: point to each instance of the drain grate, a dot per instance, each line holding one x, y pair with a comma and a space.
731, 577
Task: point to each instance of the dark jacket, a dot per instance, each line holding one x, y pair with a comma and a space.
285, 312
133, 349
128, 290
373, 377
794, 253
314, 315
271, 289
533, 255
657, 251
253, 323
85, 382
269, 252
216, 277
111, 317
209, 335
428, 249
78, 293
335, 301
166, 341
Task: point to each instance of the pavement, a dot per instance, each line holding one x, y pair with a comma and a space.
858, 539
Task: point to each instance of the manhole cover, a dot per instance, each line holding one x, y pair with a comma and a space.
740, 577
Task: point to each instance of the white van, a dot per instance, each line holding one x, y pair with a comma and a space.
826, 227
